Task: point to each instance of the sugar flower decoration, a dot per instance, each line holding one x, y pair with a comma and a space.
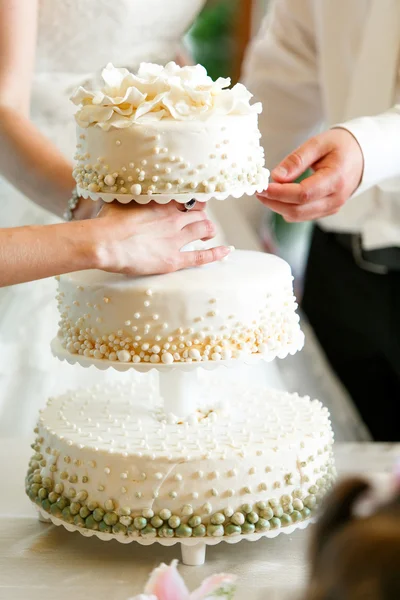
156, 92
165, 583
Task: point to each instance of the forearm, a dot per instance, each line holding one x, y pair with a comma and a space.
379, 139
32, 163
28, 253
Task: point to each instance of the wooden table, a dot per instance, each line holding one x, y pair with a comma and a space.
44, 562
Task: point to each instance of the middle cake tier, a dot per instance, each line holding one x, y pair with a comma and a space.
240, 307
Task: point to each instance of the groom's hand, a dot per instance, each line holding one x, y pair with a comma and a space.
337, 163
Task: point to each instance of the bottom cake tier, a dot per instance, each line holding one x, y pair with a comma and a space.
108, 460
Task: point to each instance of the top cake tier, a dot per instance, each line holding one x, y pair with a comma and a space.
238, 308
167, 132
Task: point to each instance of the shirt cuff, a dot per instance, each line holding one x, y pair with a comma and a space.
379, 143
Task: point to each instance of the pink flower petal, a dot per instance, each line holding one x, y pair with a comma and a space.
166, 583
143, 597
214, 587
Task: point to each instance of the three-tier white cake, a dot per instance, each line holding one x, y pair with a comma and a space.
113, 461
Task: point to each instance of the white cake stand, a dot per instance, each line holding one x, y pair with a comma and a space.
178, 382
193, 549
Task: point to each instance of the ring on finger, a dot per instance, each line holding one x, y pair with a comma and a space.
189, 205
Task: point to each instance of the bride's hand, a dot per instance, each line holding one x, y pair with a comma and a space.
147, 240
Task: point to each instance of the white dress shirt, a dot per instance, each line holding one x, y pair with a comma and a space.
318, 63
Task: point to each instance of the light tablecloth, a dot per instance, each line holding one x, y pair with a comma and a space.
43, 562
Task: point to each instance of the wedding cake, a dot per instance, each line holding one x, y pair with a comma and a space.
227, 310
183, 463
167, 130
107, 459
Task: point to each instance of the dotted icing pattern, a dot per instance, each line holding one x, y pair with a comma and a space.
246, 519
129, 322
105, 461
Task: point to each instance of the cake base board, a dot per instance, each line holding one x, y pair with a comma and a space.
193, 549
62, 354
236, 192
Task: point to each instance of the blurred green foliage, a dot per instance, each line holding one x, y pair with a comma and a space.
211, 38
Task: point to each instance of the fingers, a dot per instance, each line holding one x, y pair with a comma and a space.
294, 213
321, 184
201, 230
296, 163
201, 257
184, 219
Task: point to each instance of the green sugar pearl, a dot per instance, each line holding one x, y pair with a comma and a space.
119, 528
110, 518
47, 483
91, 523
306, 512
194, 521
35, 487
66, 515
165, 514
286, 520
74, 507
156, 522
43, 493
104, 528
84, 512
298, 504
288, 508
109, 505
166, 532
148, 531
78, 521
140, 522
215, 530
262, 525
46, 505
174, 521
62, 502
238, 518
217, 519
248, 528
310, 501
92, 505
267, 513
296, 516
247, 508
199, 531
278, 511
183, 531
275, 523
231, 530
98, 514
55, 510
53, 497
252, 517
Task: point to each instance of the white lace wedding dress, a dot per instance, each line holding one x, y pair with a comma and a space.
75, 40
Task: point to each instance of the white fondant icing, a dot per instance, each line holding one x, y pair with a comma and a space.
158, 473
254, 287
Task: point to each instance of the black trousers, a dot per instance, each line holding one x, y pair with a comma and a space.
356, 317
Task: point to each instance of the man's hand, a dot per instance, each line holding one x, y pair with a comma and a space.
337, 161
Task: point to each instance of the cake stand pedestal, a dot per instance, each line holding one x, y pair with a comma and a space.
178, 382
